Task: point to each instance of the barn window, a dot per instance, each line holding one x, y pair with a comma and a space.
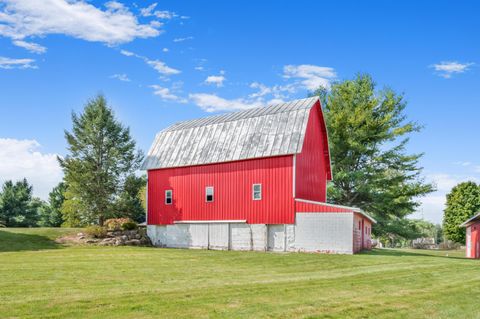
257, 191
168, 197
209, 194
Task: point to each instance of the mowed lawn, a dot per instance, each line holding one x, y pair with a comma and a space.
42, 279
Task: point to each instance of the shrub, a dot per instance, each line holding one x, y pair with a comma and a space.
116, 223
96, 231
129, 226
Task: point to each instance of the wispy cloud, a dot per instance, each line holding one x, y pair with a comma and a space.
182, 39
160, 66
166, 94
24, 159
30, 46
446, 69
121, 77
9, 63
214, 103
311, 76
161, 14
114, 24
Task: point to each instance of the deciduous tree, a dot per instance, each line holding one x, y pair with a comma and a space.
368, 134
463, 202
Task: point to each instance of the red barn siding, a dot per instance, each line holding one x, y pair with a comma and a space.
474, 240
313, 163
232, 184
303, 207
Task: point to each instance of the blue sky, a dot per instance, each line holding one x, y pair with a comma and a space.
158, 63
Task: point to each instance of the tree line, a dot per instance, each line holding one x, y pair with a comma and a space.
368, 135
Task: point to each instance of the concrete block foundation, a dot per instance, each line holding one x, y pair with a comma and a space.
312, 232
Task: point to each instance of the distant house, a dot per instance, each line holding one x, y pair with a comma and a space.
473, 236
250, 180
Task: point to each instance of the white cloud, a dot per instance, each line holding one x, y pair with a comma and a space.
446, 69
22, 158
199, 68
166, 94
9, 63
165, 49
161, 14
182, 39
215, 80
214, 103
127, 53
30, 46
21, 19
311, 76
279, 92
122, 77
476, 169
160, 66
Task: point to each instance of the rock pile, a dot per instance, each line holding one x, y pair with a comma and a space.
136, 237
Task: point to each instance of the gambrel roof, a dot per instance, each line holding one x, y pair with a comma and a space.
274, 130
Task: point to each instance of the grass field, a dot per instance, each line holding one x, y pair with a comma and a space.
42, 279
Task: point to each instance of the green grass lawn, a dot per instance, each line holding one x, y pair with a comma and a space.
42, 279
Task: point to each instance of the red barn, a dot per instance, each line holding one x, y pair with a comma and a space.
473, 236
250, 180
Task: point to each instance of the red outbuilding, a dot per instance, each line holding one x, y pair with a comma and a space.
473, 236
250, 180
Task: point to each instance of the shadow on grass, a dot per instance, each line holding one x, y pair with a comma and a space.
404, 253
12, 241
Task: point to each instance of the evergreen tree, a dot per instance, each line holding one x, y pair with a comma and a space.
17, 206
51, 215
102, 155
368, 132
129, 203
463, 202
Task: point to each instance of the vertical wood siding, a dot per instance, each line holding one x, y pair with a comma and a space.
312, 168
232, 184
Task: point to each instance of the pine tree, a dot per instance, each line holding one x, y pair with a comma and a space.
18, 208
101, 156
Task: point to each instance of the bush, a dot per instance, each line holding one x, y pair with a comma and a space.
448, 244
96, 231
113, 224
129, 226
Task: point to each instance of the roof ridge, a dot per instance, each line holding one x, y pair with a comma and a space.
230, 116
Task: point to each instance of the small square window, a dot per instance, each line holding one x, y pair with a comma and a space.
168, 197
257, 191
209, 194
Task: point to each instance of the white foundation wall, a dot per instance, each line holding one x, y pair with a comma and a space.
324, 232
312, 232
